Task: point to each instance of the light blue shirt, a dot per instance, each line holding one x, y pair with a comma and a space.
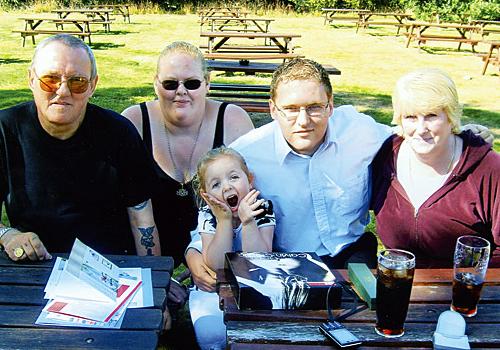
320, 201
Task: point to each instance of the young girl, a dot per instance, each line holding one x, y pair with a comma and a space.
232, 220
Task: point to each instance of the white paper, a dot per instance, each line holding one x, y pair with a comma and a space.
88, 275
144, 296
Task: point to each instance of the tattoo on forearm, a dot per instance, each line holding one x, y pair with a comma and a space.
147, 238
140, 206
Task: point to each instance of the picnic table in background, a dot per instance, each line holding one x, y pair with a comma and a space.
417, 31
274, 45
349, 15
122, 10
298, 329
103, 14
252, 98
490, 56
487, 27
32, 24
366, 19
222, 11
21, 301
237, 24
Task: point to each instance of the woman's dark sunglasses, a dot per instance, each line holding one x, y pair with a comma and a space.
52, 83
190, 84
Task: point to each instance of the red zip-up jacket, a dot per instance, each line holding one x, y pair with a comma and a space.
467, 204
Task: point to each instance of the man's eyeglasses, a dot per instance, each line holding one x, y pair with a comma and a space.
52, 83
291, 113
190, 84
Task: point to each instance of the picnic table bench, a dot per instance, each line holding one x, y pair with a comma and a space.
118, 9
416, 31
33, 33
21, 301
366, 19
349, 15
252, 98
298, 329
235, 24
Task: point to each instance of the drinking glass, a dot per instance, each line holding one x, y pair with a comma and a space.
469, 269
394, 280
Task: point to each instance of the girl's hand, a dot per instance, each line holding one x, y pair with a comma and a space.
248, 208
220, 209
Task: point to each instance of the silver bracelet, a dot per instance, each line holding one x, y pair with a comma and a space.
4, 230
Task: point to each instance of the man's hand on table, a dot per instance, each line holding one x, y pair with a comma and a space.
202, 276
24, 245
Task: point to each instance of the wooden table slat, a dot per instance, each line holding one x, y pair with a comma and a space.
76, 339
33, 295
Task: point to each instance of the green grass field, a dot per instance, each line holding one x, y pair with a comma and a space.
370, 61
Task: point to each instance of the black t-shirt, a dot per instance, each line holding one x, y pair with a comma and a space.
74, 188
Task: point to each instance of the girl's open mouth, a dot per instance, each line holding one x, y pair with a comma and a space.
232, 201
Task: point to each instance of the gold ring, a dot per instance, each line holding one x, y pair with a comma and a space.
18, 252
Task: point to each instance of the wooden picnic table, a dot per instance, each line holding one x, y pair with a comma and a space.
21, 301
366, 19
32, 27
103, 13
332, 14
298, 329
491, 56
416, 31
279, 42
254, 67
118, 9
487, 27
235, 24
222, 11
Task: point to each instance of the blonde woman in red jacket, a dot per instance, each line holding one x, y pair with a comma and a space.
432, 183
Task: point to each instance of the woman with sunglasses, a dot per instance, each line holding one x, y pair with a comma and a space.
179, 128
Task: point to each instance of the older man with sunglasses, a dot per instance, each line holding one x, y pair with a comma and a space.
70, 169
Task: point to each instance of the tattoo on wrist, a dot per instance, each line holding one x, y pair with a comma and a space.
147, 238
140, 206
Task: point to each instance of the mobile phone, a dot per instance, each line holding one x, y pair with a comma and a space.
339, 334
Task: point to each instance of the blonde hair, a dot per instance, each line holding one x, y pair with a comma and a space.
426, 91
185, 48
211, 156
301, 69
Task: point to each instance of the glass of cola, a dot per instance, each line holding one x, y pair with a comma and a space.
394, 281
470, 263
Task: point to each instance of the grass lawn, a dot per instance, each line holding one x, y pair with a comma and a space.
370, 61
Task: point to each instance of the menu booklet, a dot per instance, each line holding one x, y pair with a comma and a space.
89, 290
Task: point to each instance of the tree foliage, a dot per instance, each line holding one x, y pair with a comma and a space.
446, 10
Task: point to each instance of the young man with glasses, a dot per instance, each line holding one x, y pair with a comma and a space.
313, 163
70, 169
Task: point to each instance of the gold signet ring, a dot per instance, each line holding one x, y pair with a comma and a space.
18, 252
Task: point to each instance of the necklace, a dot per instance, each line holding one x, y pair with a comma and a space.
182, 192
419, 191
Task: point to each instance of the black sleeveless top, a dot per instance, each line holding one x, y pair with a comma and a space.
175, 216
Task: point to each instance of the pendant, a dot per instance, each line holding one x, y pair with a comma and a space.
182, 192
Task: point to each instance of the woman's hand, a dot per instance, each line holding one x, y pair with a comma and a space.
249, 207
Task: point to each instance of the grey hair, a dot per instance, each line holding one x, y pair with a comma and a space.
69, 41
